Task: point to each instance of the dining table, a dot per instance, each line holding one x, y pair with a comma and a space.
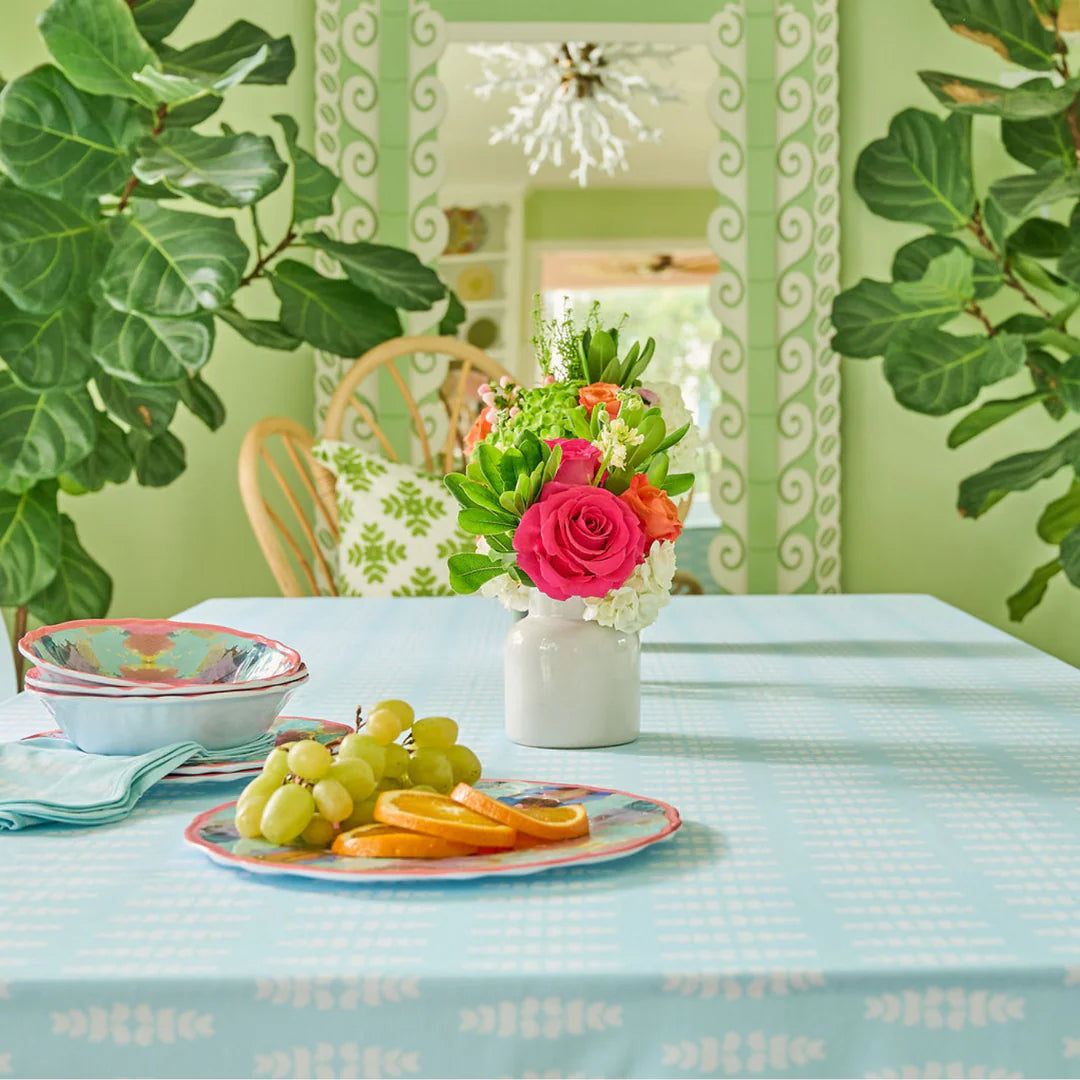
877, 873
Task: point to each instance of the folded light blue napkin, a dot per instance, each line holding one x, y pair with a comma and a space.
45, 780
253, 750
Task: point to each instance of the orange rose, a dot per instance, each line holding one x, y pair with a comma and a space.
655, 510
600, 393
480, 430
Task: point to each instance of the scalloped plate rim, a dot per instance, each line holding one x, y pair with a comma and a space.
257, 866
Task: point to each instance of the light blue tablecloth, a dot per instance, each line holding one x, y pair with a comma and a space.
879, 875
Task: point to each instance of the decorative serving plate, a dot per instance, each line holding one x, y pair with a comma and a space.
619, 824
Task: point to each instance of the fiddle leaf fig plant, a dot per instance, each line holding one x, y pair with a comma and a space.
129, 235
988, 294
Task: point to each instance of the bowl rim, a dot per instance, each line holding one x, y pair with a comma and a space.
29, 640
37, 677
169, 698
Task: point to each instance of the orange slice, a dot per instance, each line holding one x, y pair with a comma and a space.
438, 815
543, 822
387, 842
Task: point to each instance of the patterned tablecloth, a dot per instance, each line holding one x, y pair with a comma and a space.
879, 874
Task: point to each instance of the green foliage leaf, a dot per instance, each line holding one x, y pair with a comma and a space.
180, 89
602, 350
157, 19
996, 222
1034, 273
1030, 594
487, 458
166, 262
59, 141
1035, 142
218, 54
1044, 369
45, 351
329, 313
1067, 383
194, 112
81, 589
986, 416
146, 349
395, 276
933, 373
870, 314
267, 333
1022, 195
921, 172
1011, 29
1069, 263
911, 261
159, 459
1024, 102
1040, 238
1070, 556
678, 483
220, 170
454, 316
98, 46
468, 571
313, 184
29, 543
144, 408
42, 434
1060, 516
948, 281
203, 402
978, 493
108, 462
481, 522
49, 251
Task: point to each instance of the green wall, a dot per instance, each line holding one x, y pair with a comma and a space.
617, 213
901, 532
168, 548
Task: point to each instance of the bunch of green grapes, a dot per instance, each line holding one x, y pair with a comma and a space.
307, 794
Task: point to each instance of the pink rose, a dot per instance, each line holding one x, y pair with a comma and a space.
578, 540
579, 460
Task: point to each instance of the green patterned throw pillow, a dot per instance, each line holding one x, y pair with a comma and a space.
398, 525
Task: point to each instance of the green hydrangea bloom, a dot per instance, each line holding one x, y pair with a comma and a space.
544, 410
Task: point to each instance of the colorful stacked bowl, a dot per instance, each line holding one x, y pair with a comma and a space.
128, 686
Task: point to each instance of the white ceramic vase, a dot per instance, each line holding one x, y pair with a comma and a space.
570, 683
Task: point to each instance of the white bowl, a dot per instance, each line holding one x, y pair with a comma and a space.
49, 681
137, 725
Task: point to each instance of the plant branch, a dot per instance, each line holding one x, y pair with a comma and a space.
975, 225
260, 265
155, 131
17, 632
977, 312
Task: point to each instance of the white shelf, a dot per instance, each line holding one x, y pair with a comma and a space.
484, 305
475, 257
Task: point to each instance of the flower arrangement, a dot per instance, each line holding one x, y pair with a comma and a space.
568, 486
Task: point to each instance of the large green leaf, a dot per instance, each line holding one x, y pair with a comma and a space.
1030, 594
46, 351
1035, 142
59, 141
329, 313
216, 55
145, 408
1043, 369
1010, 27
313, 184
1039, 238
395, 276
986, 416
1024, 102
146, 349
1069, 263
221, 170
174, 90
267, 333
454, 316
947, 282
159, 459
166, 262
468, 571
108, 462
49, 250
1070, 555
978, 493
870, 314
98, 46
920, 172
911, 260
1067, 383
42, 434
29, 542
933, 373
203, 402
157, 19
1060, 516
1022, 195
81, 589
194, 112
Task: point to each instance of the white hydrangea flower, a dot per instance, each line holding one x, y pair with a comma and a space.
685, 455
614, 441
637, 603
504, 588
